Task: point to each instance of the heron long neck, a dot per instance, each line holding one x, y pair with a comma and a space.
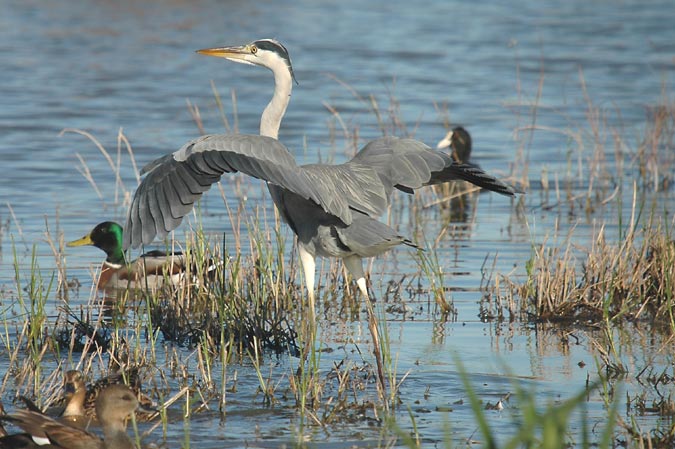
275, 110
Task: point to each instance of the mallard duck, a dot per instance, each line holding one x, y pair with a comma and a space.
76, 393
73, 413
78, 406
113, 406
150, 271
130, 376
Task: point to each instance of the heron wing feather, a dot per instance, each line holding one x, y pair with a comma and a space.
173, 184
400, 162
408, 164
364, 184
474, 175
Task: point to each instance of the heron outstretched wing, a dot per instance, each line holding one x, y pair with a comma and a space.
175, 182
408, 164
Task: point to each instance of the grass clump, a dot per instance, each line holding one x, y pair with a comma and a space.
231, 301
628, 280
616, 269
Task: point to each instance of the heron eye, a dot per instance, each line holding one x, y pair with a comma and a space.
254, 49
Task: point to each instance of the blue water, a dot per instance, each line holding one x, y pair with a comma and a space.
108, 66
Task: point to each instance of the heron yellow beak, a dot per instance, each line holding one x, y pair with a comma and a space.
86, 240
238, 52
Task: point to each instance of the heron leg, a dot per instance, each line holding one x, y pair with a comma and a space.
309, 268
354, 265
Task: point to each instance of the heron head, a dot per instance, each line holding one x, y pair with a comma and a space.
267, 53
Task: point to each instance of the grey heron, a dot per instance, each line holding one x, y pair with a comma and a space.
332, 209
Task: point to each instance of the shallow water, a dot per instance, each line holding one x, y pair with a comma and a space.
106, 66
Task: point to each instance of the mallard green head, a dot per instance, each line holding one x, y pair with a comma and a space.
106, 236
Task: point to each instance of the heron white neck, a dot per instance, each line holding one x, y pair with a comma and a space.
275, 110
